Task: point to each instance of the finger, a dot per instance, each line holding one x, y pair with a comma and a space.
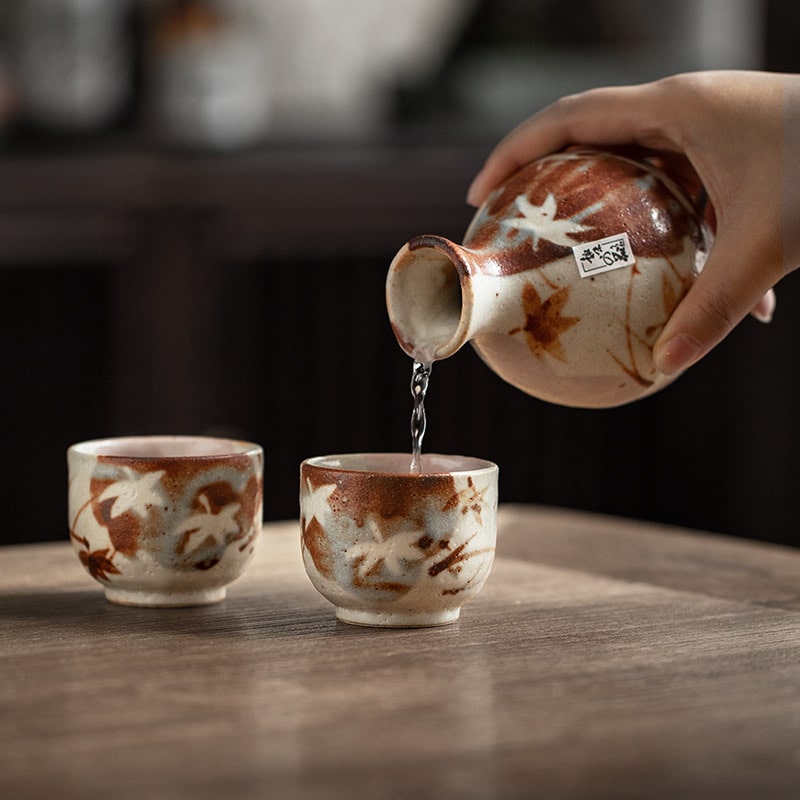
725, 291
534, 138
607, 116
765, 307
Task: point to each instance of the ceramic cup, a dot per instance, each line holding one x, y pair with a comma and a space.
165, 520
394, 548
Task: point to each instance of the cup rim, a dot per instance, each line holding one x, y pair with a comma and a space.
469, 465
165, 447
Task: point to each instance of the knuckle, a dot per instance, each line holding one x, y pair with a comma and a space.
716, 313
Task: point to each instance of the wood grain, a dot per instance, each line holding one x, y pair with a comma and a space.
604, 659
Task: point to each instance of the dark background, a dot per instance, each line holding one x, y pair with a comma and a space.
150, 289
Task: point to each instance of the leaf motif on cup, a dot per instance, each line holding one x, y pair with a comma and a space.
315, 543
207, 529
470, 498
123, 504
391, 558
136, 491
99, 563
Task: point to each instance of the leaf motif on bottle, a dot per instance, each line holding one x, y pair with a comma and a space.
544, 323
542, 222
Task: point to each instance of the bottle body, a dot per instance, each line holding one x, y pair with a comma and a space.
566, 276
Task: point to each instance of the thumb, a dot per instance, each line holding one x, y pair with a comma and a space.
736, 279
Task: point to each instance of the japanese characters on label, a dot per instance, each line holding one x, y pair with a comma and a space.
603, 255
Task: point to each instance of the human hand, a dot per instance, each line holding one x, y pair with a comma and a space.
739, 133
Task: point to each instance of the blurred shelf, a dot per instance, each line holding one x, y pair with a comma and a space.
276, 202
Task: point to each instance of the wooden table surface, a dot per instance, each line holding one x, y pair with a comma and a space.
604, 659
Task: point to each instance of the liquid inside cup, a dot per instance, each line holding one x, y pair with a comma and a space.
163, 447
400, 463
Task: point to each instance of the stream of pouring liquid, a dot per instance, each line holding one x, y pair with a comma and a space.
420, 375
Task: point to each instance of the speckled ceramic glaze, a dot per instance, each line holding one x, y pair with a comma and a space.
393, 548
165, 520
545, 285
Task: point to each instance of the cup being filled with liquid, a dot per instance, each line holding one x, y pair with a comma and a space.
392, 546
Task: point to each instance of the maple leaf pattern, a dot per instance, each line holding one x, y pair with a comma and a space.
453, 560
544, 323
390, 557
541, 222
316, 500
470, 498
314, 541
135, 492
99, 563
393, 554
211, 529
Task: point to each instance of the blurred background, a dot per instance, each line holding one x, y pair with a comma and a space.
199, 200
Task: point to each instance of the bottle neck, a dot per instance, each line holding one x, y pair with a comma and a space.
428, 299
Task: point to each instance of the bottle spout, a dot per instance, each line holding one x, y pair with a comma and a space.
428, 298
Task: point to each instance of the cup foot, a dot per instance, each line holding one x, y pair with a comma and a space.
198, 597
397, 619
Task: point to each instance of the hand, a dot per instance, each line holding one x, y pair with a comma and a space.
739, 133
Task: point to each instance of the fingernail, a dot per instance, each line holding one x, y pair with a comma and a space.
473, 198
761, 317
677, 354
765, 308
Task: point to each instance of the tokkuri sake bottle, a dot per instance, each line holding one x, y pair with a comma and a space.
565, 278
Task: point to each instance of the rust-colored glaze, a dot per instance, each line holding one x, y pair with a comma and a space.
217, 495
128, 528
249, 500
588, 323
544, 323
453, 560
180, 548
179, 472
450, 562
316, 543
631, 371
430, 546
469, 499
599, 192
381, 536
124, 530
384, 496
404, 343
99, 563
206, 563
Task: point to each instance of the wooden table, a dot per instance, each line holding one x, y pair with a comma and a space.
603, 659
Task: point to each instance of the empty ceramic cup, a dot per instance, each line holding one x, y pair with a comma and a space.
391, 547
165, 520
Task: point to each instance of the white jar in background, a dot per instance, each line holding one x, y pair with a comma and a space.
208, 77
74, 62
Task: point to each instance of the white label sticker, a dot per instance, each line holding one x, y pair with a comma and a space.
603, 255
